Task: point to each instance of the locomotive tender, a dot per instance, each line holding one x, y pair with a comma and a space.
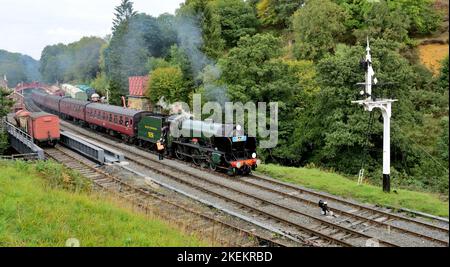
206, 144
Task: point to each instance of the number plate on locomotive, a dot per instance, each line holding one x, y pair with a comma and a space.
239, 139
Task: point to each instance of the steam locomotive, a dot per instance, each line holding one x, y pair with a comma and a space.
210, 145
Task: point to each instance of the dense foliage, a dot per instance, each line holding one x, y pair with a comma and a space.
277, 13
325, 15
5, 106
18, 68
303, 54
166, 82
76, 62
136, 37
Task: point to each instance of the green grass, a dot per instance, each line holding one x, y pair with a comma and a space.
338, 185
35, 213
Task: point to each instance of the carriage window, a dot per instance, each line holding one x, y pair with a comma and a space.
121, 120
115, 118
127, 123
110, 117
131, 122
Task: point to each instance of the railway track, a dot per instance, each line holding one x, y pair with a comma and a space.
353, 220
351, 212
318, 229
149, 201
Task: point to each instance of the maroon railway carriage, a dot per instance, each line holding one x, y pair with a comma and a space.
113, 118
52, 103
46, 101
39, 98
73, 108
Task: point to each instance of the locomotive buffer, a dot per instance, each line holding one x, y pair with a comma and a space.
370, 103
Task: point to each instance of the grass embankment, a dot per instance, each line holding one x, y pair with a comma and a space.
46, 204
340, 186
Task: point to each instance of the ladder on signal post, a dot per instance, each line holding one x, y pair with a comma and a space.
361, 177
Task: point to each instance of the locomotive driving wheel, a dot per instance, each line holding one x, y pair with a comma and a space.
179, 153
197, 157
212, 166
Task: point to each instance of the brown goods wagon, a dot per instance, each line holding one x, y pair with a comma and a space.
44, 127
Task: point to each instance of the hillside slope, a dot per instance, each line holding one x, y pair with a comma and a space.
18, 68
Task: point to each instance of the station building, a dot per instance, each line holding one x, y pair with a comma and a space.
137, 90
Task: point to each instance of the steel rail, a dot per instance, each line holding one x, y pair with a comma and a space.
311, 231
148, 194
348, 203
386, 214
349, 214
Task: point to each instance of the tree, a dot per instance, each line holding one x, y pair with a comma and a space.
5, 107
124, 12
443, 76
131, 47
75, 62
249, 67
167, 25
18, 68
379, 21
100, 84
419, 16
424, 18
177, 57
116, 92
237, 19
167, 82
318, 27
253, 72
442, 145
206, 21
277, 13
357, 11
331, 132
5, 102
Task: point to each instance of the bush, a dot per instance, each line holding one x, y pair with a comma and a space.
167, 82
59, 176
4, 143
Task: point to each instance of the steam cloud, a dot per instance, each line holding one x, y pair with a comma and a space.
190, 40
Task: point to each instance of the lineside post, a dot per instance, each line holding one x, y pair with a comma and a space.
385, 105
